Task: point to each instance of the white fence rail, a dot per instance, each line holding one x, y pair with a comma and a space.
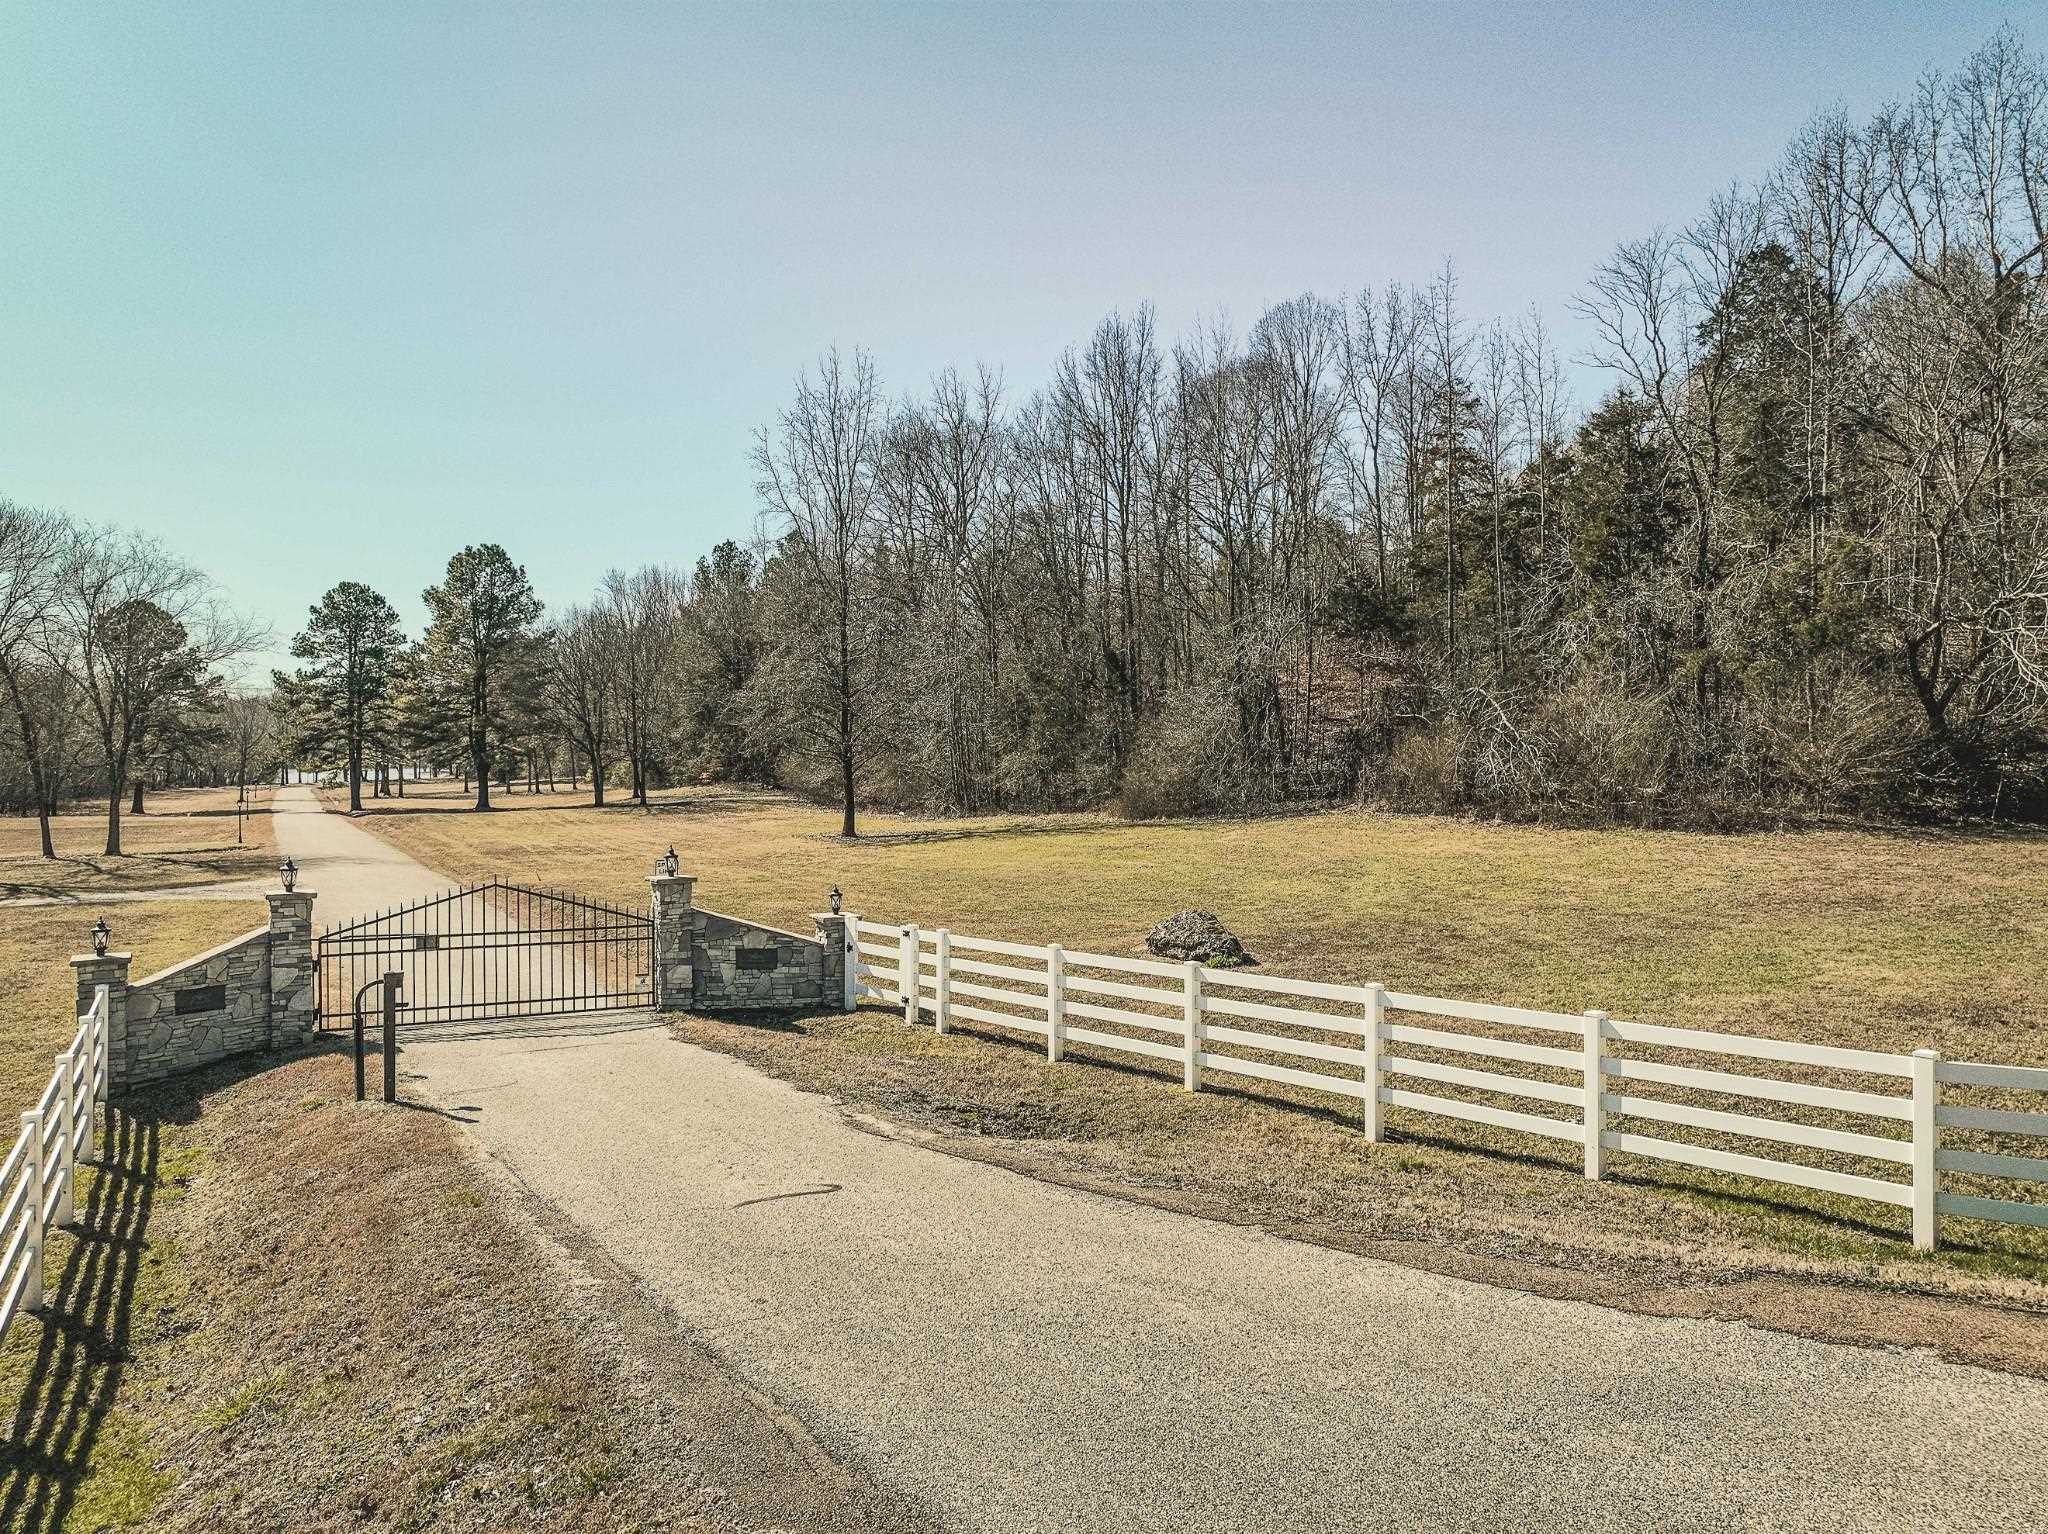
1874, 1122
38, 1180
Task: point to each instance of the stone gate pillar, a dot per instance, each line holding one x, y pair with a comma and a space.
832, 934
674, 920
292, 1001
110, 970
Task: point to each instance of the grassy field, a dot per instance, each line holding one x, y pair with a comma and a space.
77, 1458
1892, 941
1881, 940
47, 908
186, 837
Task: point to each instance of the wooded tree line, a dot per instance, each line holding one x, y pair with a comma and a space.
110, 649
623, 692
1794, 563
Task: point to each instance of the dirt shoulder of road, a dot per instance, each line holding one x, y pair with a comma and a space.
290, 1312
1527, 1223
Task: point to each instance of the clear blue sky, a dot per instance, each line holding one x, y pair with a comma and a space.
319, 292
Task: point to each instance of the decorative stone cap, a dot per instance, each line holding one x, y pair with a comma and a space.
111, 960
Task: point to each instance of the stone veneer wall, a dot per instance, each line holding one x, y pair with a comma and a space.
725, 953
254, 992
161, 1041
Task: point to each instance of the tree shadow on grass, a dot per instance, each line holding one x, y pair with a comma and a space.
1001, 831
84, 1348
520, 803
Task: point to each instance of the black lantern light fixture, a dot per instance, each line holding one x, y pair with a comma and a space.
100, 933
289, 872
665, 865
835, 899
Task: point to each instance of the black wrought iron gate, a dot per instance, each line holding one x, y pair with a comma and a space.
491, 950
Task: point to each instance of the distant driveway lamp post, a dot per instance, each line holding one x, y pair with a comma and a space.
836, 897
289, 872
665, 865
100, 933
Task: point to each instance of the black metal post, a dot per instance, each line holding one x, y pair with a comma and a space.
356, 1014
391, 983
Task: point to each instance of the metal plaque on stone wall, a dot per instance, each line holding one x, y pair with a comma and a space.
758, 958
200, 998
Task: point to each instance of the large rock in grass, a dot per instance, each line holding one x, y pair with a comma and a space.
1200, 936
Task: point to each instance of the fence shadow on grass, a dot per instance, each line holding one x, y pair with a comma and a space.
84, 1342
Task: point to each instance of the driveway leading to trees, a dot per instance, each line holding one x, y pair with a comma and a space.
1028, 1357
350, 872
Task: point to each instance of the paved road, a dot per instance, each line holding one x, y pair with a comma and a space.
1031, 1358
350, 872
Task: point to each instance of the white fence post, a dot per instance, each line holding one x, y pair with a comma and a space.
103, 1009
1191, 1004
906, 973
32, 1251
945, 980
1375, 1019
851, 938
92, 1086
1926, 1142
67, 1128
1596, 1086
1055, 1002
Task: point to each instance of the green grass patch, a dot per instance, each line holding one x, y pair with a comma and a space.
261, 1394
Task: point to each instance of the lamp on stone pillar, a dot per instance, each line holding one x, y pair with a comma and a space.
94, 970
835, 938
288, 871
673, 924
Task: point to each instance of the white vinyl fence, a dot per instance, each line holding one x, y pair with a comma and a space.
1874, 1123
38, 1182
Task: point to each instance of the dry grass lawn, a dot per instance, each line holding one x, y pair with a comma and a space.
1883, 940
76, 1459
1886, 940
185, 838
